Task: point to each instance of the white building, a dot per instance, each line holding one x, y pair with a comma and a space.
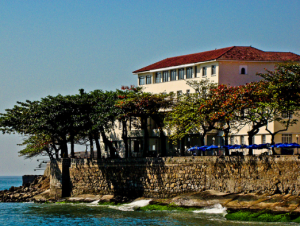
231, 66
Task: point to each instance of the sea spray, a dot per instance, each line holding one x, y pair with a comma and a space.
95, 202
215, 209
132, 206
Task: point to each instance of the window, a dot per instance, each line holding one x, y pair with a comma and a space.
213, 69
195, 69
243, 69
232, 140
148, 79
204, 71
142, 80
158, 77
173, 75
242, 139
181, 74
165, 76
189, 72
263, 139
286, 138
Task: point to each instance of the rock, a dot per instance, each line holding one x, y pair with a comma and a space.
12, 188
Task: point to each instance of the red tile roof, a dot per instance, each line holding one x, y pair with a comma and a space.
243, 53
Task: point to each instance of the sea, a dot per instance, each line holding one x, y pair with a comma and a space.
93, 214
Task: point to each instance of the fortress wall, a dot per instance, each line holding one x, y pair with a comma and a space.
168, 177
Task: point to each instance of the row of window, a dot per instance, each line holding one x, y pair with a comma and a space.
174, 75
285, 138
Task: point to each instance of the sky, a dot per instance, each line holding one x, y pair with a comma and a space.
60, 46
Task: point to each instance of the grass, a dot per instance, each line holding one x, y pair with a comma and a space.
262, 216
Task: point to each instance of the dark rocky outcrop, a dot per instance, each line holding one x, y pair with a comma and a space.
27, 192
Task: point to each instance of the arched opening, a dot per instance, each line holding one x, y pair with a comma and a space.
243, 71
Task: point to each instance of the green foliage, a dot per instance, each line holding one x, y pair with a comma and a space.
284, 84
186, 117
36, 145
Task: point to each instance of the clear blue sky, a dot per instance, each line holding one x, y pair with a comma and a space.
60, 46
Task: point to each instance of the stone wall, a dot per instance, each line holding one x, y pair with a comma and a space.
168, 177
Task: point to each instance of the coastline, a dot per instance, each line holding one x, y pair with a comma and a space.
39, 191
238, 205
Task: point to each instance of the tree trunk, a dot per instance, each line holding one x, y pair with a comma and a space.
159, 120
163, 142
91, 146
250, 136
146, 136
96, 138
55, 150
182, 151
72, 146
108, 143
64, 148
226, 142
49, 154
125, 139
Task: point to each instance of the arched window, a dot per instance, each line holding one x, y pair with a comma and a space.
243, 71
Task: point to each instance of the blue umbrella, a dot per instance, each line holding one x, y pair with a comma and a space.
212, 147
261, 146
236, 146
253, 146
203, 148
275, 145
193, 148
294, 145
285, 145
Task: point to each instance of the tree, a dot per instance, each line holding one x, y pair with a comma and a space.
225, 104
38, 145
284, 89
189, 114
49, 117
125, 113
144, 105
284, 84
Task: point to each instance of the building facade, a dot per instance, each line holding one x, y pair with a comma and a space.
236, 65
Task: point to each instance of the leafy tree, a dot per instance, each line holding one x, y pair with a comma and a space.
189, 114
38, 145
225, 104
284, 84
135, 103
284, 89
125, 113
49, 117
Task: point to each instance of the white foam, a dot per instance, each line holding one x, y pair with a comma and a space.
132, 206
215, 209
95, 202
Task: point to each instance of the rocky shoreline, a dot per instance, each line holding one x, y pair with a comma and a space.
27, 192
39, 191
